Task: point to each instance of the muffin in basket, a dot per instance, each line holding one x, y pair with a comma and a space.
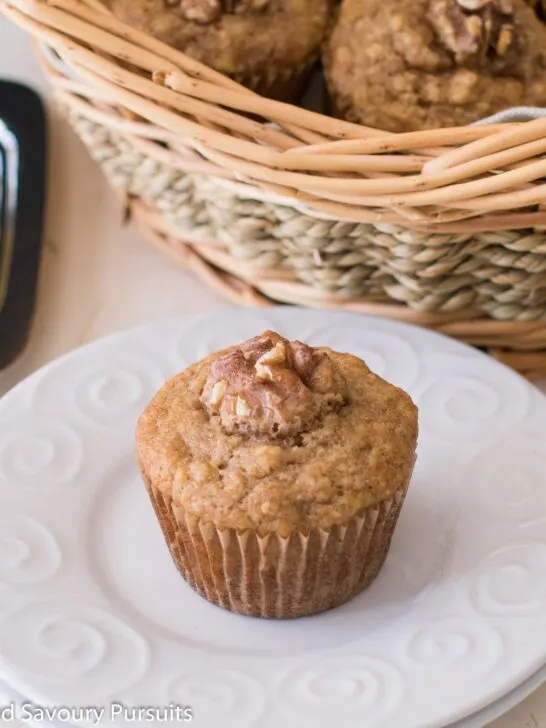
269, 46
404, 66
277, 472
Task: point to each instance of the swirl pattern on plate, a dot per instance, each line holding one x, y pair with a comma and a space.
448, 643
220, 697
29, 553
458, 402
39, 453
54, 644
388, 355
105, 393
511, 581
352, 683
511, 485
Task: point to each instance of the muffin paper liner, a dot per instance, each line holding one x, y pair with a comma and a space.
279, 84
276, 577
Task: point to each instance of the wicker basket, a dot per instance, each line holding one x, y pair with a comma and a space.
270, 202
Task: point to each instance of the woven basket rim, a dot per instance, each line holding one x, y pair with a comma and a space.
461, 179
480, 183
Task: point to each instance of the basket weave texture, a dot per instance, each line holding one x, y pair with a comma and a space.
269, 202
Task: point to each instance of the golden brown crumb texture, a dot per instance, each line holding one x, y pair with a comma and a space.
274, 435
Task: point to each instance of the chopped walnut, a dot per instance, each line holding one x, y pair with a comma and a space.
209, 11
271, 386
241, 407
198, 11
217, 393
471, 29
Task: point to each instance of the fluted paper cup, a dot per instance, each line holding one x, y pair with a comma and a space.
273, 576
282, 84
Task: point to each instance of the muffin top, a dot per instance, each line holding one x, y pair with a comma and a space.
403, 66
275, 435
234, 36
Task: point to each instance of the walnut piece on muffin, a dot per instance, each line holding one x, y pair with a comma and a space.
275, 446
327, 416
273, 387
403, 66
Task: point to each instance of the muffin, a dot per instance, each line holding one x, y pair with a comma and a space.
404, 66
277, 472
540, 8
269, 46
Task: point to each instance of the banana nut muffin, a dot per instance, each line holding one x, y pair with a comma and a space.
267, 45
403, 66
277, 472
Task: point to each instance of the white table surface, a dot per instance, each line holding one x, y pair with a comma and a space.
98, 277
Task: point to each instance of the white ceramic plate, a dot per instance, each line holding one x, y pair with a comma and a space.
92, 610
477, 720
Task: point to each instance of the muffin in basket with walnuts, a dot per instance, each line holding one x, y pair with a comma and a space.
404, 66
269, 46
277, 472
